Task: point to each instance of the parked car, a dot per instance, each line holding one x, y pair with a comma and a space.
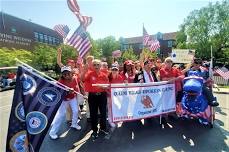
7, 77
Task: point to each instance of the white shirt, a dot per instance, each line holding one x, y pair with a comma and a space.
146, 76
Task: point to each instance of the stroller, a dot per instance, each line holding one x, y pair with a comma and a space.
194, 105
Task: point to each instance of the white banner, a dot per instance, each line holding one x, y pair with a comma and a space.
141, 101
182, 55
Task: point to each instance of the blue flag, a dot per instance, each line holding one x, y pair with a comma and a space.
35, 103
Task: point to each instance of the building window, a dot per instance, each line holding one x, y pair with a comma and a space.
140, 46
57, 41
45, 38
125, 46
170, 43
53, 41
159, 36
36, 36
13, 30
50, 39
41, 37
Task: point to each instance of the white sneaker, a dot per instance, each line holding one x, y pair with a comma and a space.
76, 126
53, 136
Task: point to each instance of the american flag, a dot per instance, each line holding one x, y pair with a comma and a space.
154, 45
145, 37
74, 7
149, 42
223, 72
80, 41
61, 29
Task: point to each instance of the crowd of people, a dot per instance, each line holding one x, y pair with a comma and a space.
83, 77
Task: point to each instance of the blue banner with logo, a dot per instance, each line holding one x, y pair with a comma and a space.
35, 103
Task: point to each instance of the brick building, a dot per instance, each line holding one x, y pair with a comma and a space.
167, 41
21, 34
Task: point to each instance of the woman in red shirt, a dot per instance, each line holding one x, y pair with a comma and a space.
67, 79
129, 71
114, 77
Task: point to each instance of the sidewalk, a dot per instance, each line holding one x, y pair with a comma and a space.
221, 90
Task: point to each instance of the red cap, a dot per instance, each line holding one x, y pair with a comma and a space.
129, 62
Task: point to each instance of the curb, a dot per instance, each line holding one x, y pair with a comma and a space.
7, 88
218, 92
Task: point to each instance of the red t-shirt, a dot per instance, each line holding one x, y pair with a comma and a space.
171, 73
93, 78
71, 84
86, 84
11, 76
129, 78
105, 71
118, 79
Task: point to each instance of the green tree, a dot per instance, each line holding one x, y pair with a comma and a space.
204, 28
146, 54
7, 56
68, 52
44, 57
129, 55
106, 46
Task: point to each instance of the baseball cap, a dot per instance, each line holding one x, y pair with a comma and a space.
115, 66
66, 68
128, 62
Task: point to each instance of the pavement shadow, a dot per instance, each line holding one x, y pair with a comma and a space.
219, 110
176, 135
67, 137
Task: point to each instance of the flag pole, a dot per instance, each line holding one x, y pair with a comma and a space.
211, 65
3, 22
54, 81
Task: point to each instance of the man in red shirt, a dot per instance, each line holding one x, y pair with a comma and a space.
168, 73
97, 97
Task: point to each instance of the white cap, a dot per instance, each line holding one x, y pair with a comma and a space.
114, 66
66, 68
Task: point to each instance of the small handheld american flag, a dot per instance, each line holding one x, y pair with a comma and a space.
80, 41
61, 29
149, 42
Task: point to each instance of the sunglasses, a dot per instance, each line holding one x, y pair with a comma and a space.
96, 64
66, 74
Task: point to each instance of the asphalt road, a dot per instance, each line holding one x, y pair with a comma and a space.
177, 135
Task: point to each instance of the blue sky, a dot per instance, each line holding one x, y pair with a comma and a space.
119, 18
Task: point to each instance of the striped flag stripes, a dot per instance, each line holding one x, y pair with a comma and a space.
149, 42
223, 72
80, 41
61, 29
74, 7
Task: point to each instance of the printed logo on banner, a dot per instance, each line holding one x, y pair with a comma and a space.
49, 96
29, 84
147, 102
36, 122
20, 112
19, 143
